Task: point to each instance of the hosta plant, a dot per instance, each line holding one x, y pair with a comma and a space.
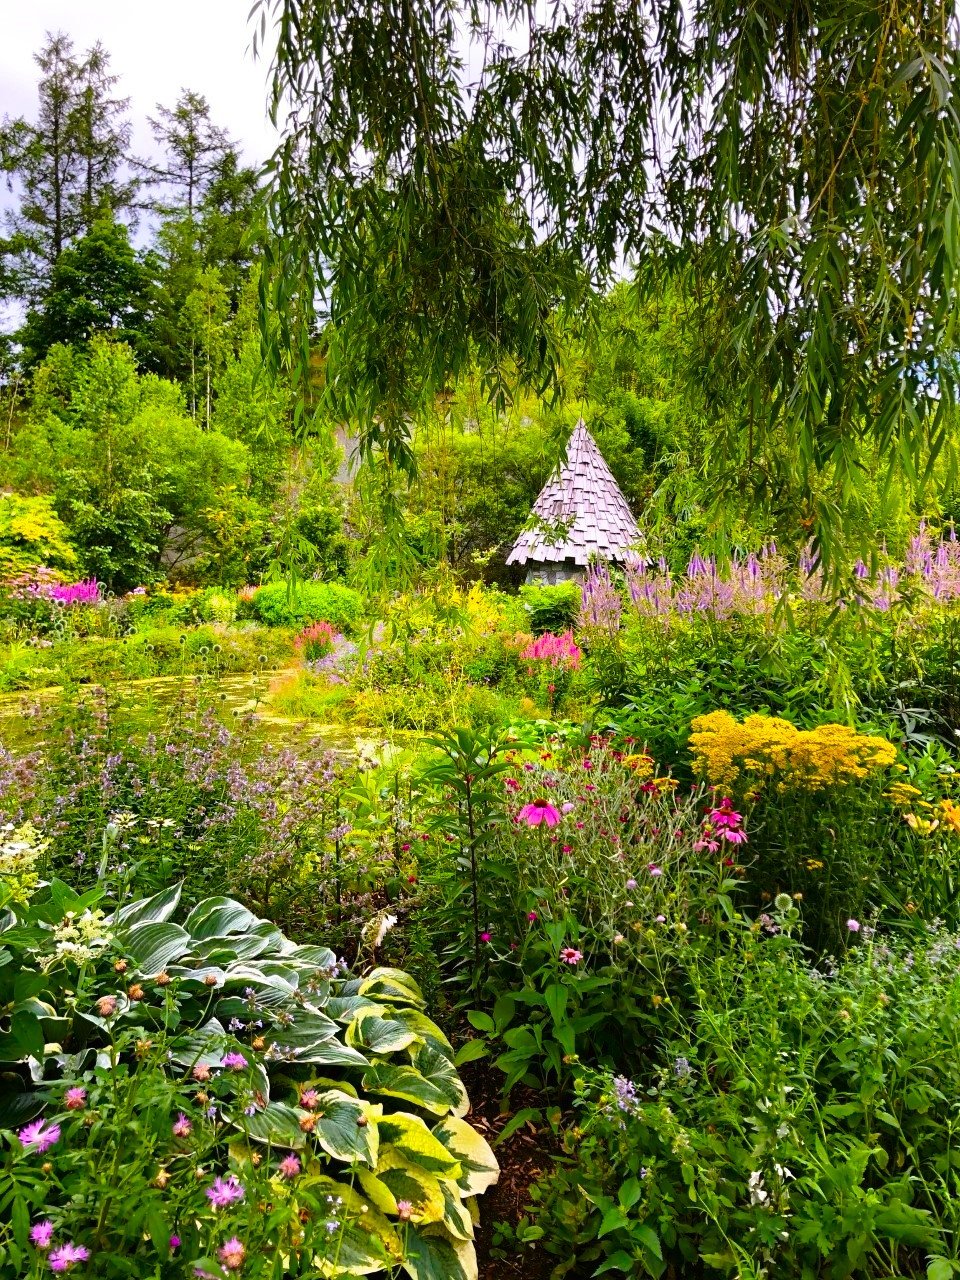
202, 1096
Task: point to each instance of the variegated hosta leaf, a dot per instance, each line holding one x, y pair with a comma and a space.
218, 916
346, 1128
345, 1008
403, 1180
479, 1164
277, 1124
365, 1242
435, 1066
408, 1084
424, 1027
392, 985
433, 1254
410, 1135
373, 1034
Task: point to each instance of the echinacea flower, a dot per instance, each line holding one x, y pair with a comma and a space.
570, 955
539, 811
63, 1258
289, 1167
39, 1135
181, 1126
234, 1061
41, 1234
75, 1098
232, 1254
225, 1192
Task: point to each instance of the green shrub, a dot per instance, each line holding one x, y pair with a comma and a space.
32, 534
551, 608
189, 1073
310, 602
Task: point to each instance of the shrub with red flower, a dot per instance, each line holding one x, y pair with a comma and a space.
558, 651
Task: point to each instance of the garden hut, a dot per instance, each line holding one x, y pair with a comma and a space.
580, 515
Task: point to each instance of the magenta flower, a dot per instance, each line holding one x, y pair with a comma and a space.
41, 1234
531, 916
654, 869
570, 955
853, 926
233, 1061
539, 811
181, 1126
631, 883
75, 1099
40, 1135
289, 1167
309, 1099
404, 1210
485, 936
225, 1192
63, 1258
174, 1242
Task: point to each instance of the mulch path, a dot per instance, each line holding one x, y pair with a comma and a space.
522, 1158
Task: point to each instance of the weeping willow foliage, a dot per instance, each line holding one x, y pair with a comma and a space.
455, 179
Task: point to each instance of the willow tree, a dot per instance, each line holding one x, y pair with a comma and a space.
453, 176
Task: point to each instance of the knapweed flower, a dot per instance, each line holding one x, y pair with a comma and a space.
181, 1126
539, 811
631, 883
201, 1072
232, 1254
225, 1192
567, 806
289, 1167
75, 1098
63, 1258
234, 1061
309, 1099
570, 955
404, 1210
853, 925
654, 869
106, 1006
41, 1234
39, 1135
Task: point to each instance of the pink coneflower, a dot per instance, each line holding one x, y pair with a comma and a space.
232, 1254
539, 811
289, 1167
234, 1061
63, 1258
570, 955
225, 1192
181, 1126
41, 1234
75, 1099
39, 1135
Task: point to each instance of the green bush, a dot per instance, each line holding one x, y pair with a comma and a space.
187, 1072
309, 602
551, 608
31, 534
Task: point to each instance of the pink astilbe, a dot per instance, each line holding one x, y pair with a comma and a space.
559, 651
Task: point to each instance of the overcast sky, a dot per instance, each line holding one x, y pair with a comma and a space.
157, 49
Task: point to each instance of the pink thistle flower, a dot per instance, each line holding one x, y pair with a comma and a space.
63, 1258
39, 1135
539, 811
41, 1234
225, 1192
75, 1098
404, 1210
567, 806
234, 1062
570, 955
654, 869
181, 1126
232, 1254
853, 925
309, 1099
289, 1167
631, 883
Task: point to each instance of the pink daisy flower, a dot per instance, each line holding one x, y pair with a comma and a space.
570, 955
539, 811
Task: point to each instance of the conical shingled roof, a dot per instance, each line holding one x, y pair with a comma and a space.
583, 494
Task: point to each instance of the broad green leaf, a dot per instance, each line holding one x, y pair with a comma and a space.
346, 1008
152, 910
155, 946
214, 917
425, 1028
277, 1124
433, 1255
346, 1128
392, 985
377, 1035
407, 1181
24, 1039
440, 1071
408, 1084
362, 1249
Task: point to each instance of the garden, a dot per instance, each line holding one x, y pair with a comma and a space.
480, 646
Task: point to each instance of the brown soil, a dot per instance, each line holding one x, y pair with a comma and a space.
522, 1158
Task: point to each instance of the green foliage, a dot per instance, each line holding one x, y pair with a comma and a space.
549, 608
347, 1075
280, 605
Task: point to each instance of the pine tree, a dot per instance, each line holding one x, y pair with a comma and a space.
103, 137
194, 151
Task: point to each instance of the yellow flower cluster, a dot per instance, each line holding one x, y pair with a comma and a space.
725, 750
